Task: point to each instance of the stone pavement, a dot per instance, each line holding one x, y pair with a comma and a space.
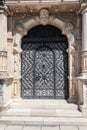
26, 127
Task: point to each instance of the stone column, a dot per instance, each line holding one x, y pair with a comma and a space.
82, 86
3, 40
3, 31
3, 58
84, 42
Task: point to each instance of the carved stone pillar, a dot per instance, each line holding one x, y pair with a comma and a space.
3, 40
17, 66
84, 42
3, 57
3, 30
82, 86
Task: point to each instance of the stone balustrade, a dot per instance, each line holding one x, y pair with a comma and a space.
3, 61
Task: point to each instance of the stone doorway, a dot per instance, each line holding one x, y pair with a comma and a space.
44, 64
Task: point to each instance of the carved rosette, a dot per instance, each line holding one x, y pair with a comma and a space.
84, 61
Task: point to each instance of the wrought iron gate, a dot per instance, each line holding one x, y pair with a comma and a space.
44, 70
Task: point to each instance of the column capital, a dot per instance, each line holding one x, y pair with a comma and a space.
83, 8
4, 10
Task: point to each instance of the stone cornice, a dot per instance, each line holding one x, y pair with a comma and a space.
5, 10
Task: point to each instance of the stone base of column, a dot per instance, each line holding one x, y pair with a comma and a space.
84, 110
5, 80
82, 95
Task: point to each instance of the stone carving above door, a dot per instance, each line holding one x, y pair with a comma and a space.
44, 16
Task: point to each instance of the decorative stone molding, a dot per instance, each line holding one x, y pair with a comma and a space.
17, 49
3, 61
26, 24
84, 62
44, 16
1, 91
5, 80
68, 27
19, 26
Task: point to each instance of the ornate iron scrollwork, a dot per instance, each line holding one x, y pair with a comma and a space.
44, 70
44, 64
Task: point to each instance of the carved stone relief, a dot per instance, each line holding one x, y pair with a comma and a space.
66, 28
44, 16
1, 90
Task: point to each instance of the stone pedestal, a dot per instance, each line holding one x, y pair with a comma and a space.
84, 110
84, 62
5, 80
83, 95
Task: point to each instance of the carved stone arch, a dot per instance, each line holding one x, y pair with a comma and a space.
23, 26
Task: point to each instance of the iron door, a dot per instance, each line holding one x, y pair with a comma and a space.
44, 70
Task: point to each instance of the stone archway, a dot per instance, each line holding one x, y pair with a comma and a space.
43, 19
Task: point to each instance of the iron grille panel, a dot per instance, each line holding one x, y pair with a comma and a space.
44, 70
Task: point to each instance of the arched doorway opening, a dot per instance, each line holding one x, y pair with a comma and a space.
44, 64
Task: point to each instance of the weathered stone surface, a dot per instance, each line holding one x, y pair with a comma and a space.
50, 128
2, 127
32, 128
68, 128
82, 127
14, 127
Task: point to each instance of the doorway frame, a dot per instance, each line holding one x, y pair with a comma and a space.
23, 26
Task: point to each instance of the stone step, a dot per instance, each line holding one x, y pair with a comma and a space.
43, 121
43, 113
43, 104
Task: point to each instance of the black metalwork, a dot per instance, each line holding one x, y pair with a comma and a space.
1, 2
44, 69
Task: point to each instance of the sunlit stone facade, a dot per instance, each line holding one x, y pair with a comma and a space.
17, 17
